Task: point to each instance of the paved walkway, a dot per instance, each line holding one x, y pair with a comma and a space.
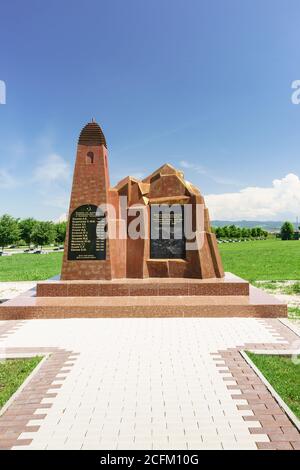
9, 290
163, 383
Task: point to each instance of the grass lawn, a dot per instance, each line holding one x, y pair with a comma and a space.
268, 259
279, 286
255, 260
294, 312
283, 375
13, 372
28, 267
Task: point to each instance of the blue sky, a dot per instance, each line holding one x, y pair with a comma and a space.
202, 84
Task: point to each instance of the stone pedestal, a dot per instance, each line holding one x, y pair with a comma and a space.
226, 297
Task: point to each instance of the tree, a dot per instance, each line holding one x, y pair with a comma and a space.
61, 228
43, 233
287, 231
9, 230
245, 232
258, 231
26, 228
225, 231
219, 232
238, 232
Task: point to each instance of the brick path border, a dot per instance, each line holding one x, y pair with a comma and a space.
282, 433
14, 421
9, 327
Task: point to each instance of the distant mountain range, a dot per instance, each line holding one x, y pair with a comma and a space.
270, 226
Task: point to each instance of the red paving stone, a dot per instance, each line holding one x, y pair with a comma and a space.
275, 423
14, 421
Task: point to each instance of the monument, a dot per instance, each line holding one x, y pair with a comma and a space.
140, 248
154, 196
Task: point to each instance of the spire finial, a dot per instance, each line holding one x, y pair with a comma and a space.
93, 119
92, 134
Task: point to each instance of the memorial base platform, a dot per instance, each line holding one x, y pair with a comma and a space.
227, 297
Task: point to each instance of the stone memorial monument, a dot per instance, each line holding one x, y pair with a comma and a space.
155, 196
140, 248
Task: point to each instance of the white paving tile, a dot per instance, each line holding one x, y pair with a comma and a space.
143, 383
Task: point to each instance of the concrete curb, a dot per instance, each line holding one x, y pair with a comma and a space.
273, 392
27, 380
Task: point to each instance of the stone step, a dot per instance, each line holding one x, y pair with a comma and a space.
229, 285
257, 304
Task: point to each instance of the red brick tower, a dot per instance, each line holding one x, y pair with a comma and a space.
87, 256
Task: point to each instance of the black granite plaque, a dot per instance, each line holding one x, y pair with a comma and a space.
167, 232
87, 240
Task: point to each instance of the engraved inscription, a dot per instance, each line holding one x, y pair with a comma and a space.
87, 234
167, 232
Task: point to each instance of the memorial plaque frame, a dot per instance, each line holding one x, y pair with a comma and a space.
87, 236
167, 248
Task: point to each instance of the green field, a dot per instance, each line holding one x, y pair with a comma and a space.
255, 260
13, 372
283, 375
294, 313
29, 267
262, 260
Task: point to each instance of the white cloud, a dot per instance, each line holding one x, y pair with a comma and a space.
7, 181
52, 178
58, 198
62, 218
201, 170
118, 175
198, 168
52, 168
138, 175
278, 202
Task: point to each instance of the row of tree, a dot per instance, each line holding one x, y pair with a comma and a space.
30, 231
232, 231
287, 231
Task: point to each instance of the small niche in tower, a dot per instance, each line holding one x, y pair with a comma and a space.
89, 158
